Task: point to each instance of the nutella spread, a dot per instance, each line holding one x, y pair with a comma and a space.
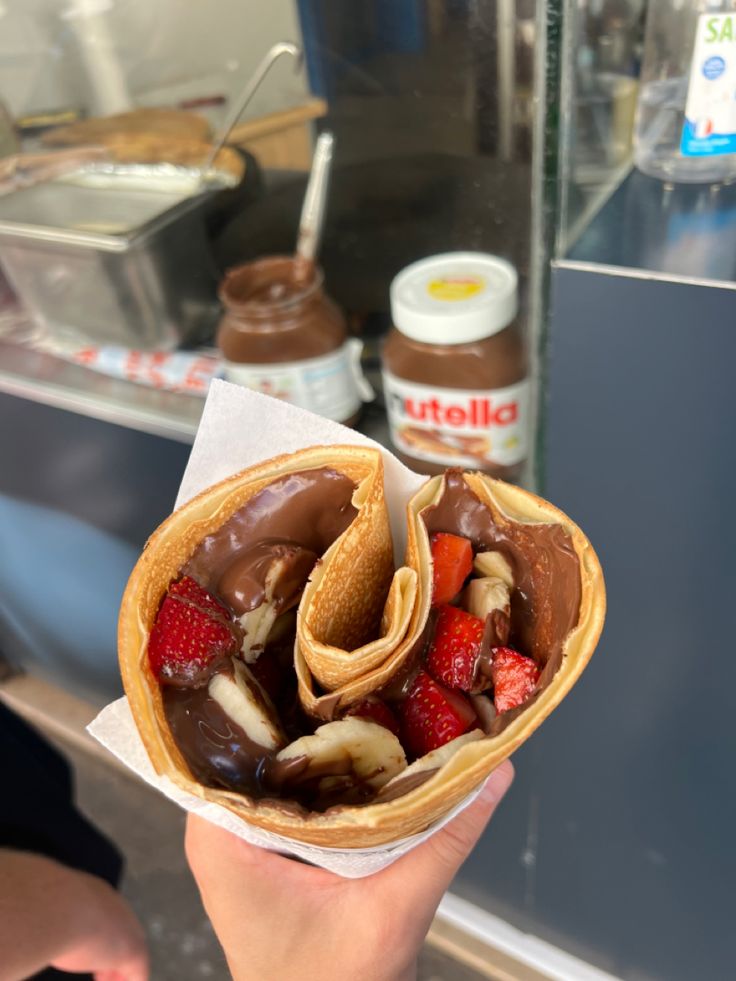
217, 749
545, 600
454, 367
310, 509
283, 336
235, 722
261, 556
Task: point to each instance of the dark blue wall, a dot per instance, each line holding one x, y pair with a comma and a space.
618, 838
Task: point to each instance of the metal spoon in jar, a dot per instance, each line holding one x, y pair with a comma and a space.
313, 210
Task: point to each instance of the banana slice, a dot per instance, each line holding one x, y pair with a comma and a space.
363, 751
282, 590
483, 596
243, 700
494, 564
257, 626
423, 768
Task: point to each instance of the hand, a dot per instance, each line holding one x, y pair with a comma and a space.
109, 941
281, 919
52, 915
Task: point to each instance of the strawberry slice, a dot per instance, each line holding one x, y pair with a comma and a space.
191, 632
514, 678
455, 646
187, 589
452, 563
375, 710
432, 715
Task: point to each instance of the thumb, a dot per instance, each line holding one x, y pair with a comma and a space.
427, 871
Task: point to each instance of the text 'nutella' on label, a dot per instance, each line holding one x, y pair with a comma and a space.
465, 428
454, 366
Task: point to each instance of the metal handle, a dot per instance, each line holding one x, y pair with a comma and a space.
280, 48
313, 209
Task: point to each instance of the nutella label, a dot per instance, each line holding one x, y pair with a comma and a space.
331, 385
456, 426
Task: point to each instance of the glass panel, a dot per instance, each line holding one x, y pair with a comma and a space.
600, 66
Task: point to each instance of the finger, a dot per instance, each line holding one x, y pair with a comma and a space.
423, 875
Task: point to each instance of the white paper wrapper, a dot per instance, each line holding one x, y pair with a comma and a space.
240, 428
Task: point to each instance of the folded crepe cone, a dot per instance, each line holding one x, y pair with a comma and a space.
355, 576
359, 625
349, 675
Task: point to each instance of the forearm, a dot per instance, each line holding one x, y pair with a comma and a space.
40, 912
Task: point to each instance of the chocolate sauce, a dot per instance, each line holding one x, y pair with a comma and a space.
294, 520
307, 510
402, 785
286, 565
220, 754
217, 750
545, 601
496, 630
316, 785
277, 536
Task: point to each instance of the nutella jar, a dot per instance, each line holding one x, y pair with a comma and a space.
283, 336
454, 366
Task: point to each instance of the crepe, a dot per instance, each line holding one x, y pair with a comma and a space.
347, 675
353, 598
460, 766
360, 564
164, 123
151, 148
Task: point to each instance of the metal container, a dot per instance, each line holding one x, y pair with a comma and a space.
109, 263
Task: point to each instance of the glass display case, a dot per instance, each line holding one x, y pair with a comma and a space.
599, 67
431, 105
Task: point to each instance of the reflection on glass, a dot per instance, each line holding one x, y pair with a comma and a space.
686, 119
432, 103
600, 69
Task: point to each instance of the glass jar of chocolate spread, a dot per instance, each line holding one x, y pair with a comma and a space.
283, 336
454, 366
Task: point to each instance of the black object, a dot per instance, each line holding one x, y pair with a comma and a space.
231, 200
37, 812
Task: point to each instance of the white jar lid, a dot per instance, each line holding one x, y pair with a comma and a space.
454, 298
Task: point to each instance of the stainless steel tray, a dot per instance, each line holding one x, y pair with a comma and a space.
106, 262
